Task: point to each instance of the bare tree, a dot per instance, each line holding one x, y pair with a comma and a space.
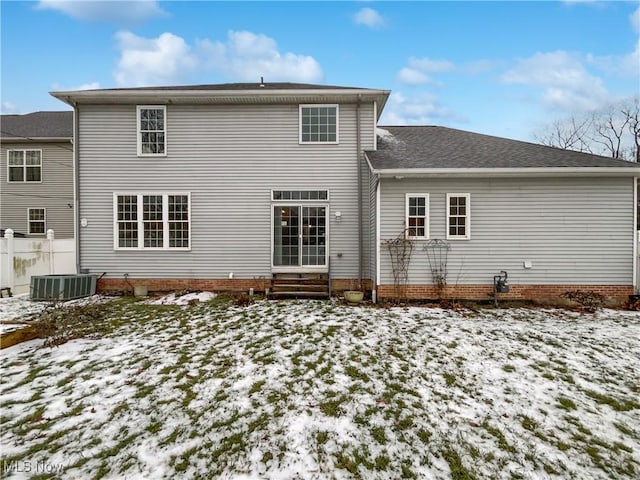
609, 127
568, 134
612, 131
632, 113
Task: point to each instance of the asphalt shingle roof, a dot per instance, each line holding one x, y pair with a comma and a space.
37, 125
426, 147
242, 86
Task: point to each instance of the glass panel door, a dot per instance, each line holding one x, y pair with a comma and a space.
314, 236
299, 236
286, 236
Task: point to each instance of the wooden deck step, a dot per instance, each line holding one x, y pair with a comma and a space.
300, 285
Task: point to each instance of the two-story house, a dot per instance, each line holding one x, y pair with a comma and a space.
227, 186
36, 178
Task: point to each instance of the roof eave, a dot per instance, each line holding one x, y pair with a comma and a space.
219, 96
400, 173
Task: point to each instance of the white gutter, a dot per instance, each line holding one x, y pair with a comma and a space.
14, 139
400, 173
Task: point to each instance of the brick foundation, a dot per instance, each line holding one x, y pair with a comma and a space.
615, 294
236, 285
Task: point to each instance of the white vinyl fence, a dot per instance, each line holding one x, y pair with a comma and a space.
20, 258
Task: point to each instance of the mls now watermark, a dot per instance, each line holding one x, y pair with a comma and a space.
28, 466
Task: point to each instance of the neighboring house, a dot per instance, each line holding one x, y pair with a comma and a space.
225, 186
36, 177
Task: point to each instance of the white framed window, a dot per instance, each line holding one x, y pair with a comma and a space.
458, 216
319, 124
37, 221
311, 195
152, 130
24, 166
156, 221
417, 215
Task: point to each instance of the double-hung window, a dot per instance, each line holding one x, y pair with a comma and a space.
24, 165
37, 220
417, 215
152, 221
318, 123
152, 130
458, 210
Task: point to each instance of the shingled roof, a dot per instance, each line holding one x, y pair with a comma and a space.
431, 147
240, 86
39, 125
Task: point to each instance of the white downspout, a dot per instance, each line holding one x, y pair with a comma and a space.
378, 232
635, 235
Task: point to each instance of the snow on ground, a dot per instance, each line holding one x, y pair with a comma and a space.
186, 299
315, 390
19, 307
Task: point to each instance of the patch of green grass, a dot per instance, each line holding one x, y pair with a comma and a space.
509, 368
566, 403
458, 470
356, 373
332, 408
257, 386
381, 462
449, 378
497, 433
619, 405
623, 428
379, 435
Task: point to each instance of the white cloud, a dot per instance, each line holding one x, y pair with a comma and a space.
153, 61
8, 108
430, 66
422, 109
411, 76
118, 12
566, 83
418, 69
635, 20
622, 65
247, 56
369, 17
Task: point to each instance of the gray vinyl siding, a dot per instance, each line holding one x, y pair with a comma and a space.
55, 192
229, 158
573, 230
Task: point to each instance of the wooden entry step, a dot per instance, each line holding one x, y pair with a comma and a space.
300, 285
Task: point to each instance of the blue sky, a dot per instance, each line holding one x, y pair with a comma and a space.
501, 68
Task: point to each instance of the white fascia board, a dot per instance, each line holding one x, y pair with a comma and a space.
508, 172
130, 96
35, 139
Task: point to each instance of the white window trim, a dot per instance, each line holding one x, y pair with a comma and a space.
318, 105
427, 216
24, 166
467, 235
140, 221
139, 133
29, 232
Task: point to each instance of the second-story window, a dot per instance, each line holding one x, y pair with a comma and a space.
24, 165
318, 123
152, 130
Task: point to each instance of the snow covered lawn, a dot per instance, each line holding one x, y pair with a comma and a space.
318, 390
